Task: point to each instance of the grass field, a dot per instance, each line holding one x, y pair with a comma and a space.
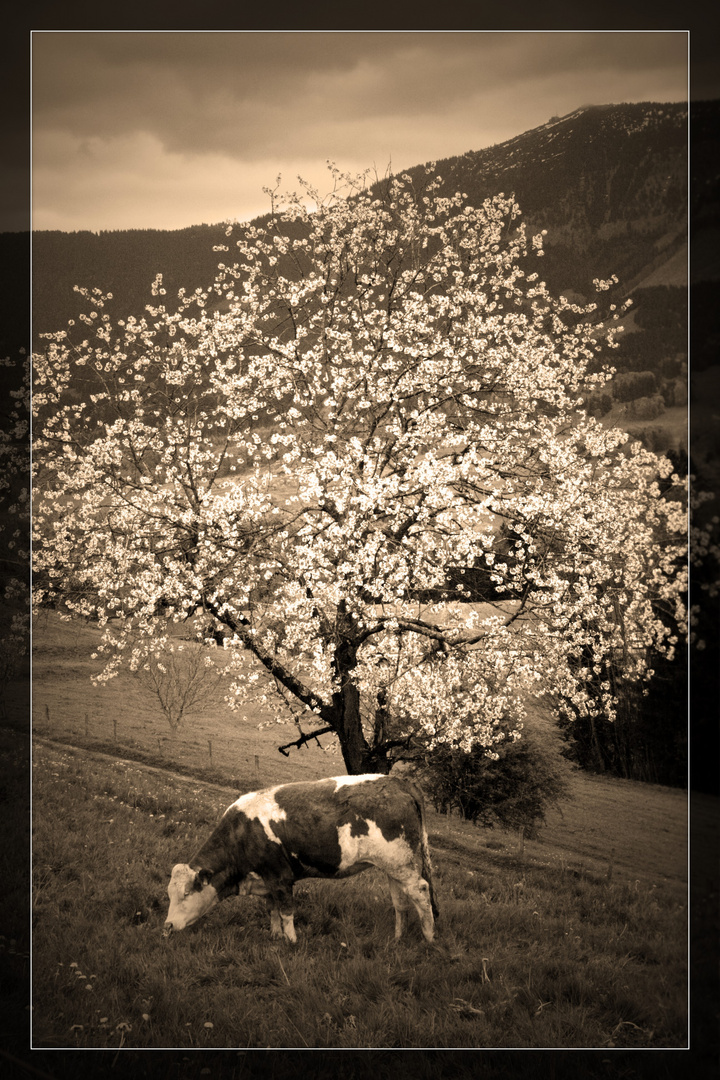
671, 425
577, 939
530, 953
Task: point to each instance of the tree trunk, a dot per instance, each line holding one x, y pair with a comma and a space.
343, 716
353, 744
358, 755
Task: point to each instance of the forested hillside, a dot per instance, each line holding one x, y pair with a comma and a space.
121, 262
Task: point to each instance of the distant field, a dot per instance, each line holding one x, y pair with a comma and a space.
577, 939
674, 272
217, 743
672, 424
603, 814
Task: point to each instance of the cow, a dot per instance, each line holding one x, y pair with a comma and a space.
333, 828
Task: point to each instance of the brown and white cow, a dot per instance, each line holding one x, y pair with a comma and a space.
267, 840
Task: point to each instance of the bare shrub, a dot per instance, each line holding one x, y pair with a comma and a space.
184, 678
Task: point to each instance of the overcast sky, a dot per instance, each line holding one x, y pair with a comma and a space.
169, 129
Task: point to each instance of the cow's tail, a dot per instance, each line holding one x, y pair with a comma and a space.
427, 870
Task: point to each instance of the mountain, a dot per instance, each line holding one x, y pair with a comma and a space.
609, 183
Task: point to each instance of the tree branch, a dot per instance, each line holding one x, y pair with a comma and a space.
389, 744
449, 636
305, 737
241, 627
415, 625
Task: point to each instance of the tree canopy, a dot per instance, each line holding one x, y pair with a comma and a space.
358, 461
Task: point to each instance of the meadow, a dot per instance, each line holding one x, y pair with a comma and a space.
576, 939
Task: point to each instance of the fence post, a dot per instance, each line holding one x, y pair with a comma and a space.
210, 750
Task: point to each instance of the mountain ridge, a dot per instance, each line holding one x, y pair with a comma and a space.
608, 183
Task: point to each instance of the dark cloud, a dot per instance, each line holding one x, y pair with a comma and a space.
130, 116
238, 91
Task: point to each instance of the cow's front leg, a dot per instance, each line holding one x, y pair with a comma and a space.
282, 916
276, 928
288, 925
401, 904
417, 891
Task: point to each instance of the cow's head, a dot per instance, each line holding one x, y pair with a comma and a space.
191, 897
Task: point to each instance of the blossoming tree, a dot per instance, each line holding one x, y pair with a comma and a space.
358, 461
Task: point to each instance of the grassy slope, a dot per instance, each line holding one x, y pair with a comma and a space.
580, 940
672, 424
530, 953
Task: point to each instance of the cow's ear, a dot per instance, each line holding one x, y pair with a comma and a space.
202, 877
